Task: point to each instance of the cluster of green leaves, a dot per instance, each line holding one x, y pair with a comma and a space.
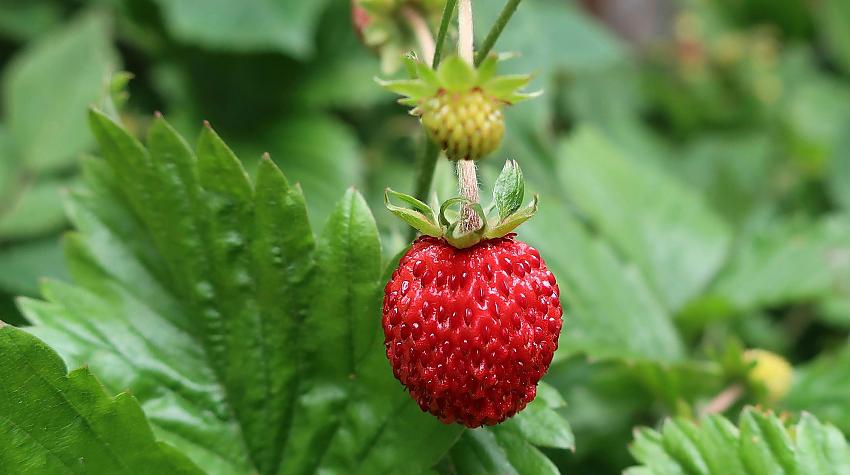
682, 216
250, 345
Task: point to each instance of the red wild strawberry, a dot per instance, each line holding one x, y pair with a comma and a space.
471, 331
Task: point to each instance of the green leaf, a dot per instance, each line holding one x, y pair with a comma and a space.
761, 444
514, 220
55, 422
540, 424
47, 88
284, 26
495, 450
422, 217
25, 19
509, 189
764, 271
414, 88
665, 228
609, 309
834, 16
252, 348
35, 208
456, 75
23, 264
320, 153
822, 387
504, 86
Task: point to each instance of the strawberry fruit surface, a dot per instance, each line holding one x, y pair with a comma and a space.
470, 332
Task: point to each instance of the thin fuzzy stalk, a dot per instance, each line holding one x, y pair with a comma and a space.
467, 177
465, 31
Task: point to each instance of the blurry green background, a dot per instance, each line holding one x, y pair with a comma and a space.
693, 160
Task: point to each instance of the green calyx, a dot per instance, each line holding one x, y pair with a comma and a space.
502, 216
454, 75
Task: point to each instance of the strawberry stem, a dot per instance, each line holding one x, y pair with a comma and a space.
467, 177
496, 30
448, 12
465, 31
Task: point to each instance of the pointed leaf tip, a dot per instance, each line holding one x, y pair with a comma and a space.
509, 190
422, 217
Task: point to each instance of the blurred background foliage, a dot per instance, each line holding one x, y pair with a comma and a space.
693, 159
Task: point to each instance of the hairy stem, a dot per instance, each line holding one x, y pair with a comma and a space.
496, 30
448, 12
468, 187
467, 177
724, 400
420, 30
465, 30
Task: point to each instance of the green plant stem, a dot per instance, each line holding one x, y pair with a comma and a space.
496, 30
448, 12
467, 176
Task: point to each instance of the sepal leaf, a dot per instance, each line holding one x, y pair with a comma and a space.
512, 221
421, 217
509, 189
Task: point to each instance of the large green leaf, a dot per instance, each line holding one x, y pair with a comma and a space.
823, 387
761, 444
55, 422
658, 223
47, 88
321, 154
34, 208
252, 347
509, 448
22, 265
250, 25
834, 16
610, 310
788, 262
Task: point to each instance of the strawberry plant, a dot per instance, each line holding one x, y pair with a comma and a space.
587, 238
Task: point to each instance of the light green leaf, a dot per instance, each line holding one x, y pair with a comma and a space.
319, 153
487, 451
25, 19
509, 189
47, 88
761, 444
252, 348
55, 422
35, 208
285, 26
540, 424
23, 264
765, 270
665, 228
822, 387
609, 309
456, 75
834, 16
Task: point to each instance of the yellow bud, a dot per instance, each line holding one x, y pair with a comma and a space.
771, 371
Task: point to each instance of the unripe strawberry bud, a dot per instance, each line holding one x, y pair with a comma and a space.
466, 125
460, 106
771, 371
